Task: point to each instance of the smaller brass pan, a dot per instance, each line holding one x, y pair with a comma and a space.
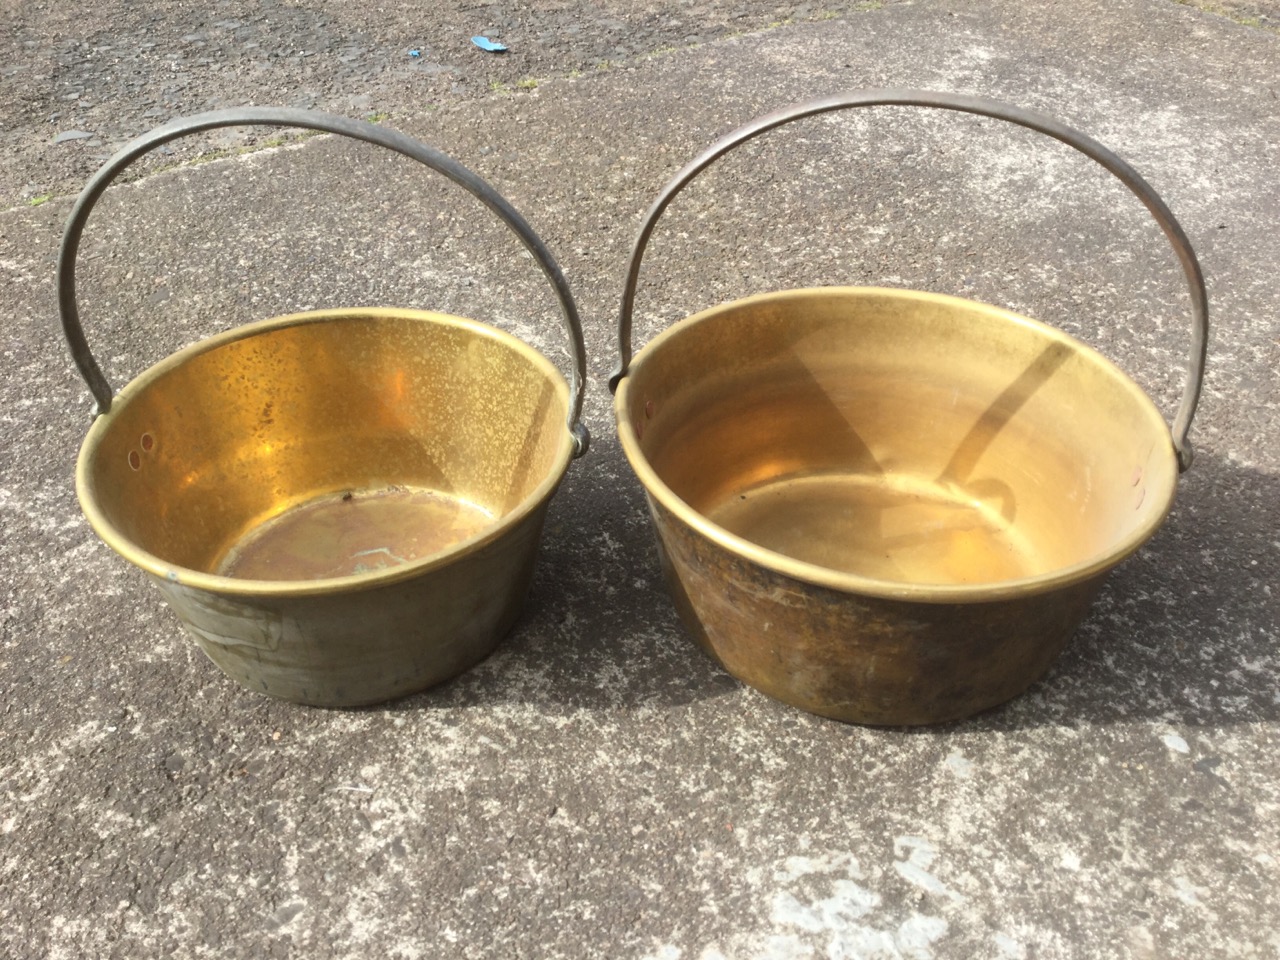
342, 506
888, 506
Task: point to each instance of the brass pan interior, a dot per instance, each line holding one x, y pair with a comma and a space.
326, 447
897, 443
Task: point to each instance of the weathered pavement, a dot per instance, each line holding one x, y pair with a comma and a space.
598, 788
104, 74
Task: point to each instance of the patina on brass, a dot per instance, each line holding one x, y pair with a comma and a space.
380, 475
887, 506
342, 506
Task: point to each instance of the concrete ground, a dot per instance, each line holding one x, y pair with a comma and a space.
598, 787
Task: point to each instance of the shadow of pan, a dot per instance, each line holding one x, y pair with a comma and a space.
1185, 630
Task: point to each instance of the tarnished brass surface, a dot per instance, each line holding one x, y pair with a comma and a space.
353, 646
343, 534
888, 506
343, 506
858, 657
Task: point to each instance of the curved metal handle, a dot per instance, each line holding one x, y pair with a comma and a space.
327, 123
964, 104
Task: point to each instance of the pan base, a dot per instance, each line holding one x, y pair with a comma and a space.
342, 534
888, 527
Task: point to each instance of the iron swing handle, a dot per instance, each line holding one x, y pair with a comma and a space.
964, 104
88, 366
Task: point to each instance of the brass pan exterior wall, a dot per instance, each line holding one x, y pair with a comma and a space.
946, 485
859, 658
212, 444
887, 506
342, 506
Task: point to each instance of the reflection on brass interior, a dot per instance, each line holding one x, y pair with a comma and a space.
899, 526
341, 506
886, 506
268, 432
899, 439
889, 529
355, 532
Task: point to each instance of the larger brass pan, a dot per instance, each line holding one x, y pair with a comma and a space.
342, 506
887, 506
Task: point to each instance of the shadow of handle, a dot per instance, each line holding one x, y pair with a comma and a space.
326, 123
964, 104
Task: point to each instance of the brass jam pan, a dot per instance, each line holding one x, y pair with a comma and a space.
342, 506
888, 506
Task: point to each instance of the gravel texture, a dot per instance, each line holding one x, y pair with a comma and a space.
85, 81
86, 84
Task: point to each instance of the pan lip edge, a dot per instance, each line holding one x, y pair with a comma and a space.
279, 590
856, 584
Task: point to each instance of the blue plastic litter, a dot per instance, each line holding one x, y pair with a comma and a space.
493, 46
415, 53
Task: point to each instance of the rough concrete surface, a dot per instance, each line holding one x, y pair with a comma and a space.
85, 82
598, 787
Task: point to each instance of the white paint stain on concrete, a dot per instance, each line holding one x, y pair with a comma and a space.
1188, 892
916, 935
959, 765
835, 862
915, 869
821, 906
848, 901
913, 939
1008, 948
